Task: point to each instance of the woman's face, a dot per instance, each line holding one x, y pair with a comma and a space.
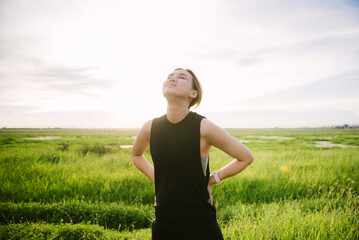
179, 83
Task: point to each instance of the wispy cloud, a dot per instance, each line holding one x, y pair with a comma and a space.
70, 79
327, 117
22, 116
38, 81
343, 86
339, 93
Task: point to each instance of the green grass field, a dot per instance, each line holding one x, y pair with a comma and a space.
82, 184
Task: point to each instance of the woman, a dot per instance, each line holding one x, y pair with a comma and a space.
180, 143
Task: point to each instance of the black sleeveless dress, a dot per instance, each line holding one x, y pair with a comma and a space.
182, 209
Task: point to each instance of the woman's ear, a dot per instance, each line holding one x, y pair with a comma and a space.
193, 94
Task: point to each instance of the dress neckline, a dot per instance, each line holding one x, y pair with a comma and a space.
180, 122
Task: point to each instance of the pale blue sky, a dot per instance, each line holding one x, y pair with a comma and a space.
101, 64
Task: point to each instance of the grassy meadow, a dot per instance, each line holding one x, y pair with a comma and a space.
82, 184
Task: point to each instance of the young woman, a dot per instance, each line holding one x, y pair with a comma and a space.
180, 143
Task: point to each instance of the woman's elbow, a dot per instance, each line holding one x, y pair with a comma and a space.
136, 161
134, 156
250, 158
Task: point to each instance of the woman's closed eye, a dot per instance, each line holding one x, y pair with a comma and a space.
176, 77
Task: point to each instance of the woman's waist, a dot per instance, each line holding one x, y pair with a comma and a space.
187, 214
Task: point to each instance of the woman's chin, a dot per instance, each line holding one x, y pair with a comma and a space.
168, 92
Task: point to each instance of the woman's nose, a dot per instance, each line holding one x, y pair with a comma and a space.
172, 79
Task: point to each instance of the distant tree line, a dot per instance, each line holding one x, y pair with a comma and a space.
347, 126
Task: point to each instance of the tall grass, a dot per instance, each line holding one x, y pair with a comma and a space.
293, 190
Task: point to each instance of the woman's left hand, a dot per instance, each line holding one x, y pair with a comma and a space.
211, 181
210, 193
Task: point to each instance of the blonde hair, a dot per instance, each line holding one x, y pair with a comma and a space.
196, 85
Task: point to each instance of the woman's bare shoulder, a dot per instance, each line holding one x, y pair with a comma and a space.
213, 133
148, 124
146, 128
143, 136
207, 127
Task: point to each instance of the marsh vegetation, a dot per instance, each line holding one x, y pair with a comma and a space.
82, 184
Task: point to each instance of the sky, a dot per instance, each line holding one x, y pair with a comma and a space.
101, 63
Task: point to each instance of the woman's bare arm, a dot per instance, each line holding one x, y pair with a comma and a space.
139, 146
219, 138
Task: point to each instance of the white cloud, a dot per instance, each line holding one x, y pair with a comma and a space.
113, 55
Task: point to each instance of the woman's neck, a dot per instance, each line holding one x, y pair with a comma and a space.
176, 112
